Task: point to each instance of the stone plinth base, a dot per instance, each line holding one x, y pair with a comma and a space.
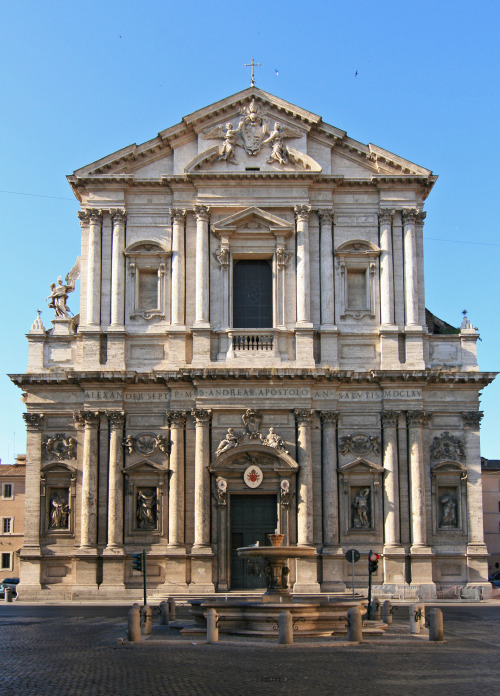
333, 571
306, 576
201, 573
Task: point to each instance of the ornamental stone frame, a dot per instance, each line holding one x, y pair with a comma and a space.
277, 467
357, 478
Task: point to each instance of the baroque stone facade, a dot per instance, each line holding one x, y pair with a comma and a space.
253, 354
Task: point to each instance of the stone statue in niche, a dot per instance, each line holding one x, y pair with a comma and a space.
59, 292
59, 510
273, 440
447, 510
279, 151
230, 441
146, 508
285, 493
361, 509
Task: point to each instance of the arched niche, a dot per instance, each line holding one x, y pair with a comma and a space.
57, 499
361, 500
145, 504
449, 499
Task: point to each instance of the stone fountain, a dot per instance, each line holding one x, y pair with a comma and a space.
316, 617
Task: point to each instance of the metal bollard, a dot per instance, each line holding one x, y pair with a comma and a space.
212, 626
164, 614
147, 616
415, 619
375, 609
285, 626
436, 632
134, 624
172, 608
387, 612
354, 625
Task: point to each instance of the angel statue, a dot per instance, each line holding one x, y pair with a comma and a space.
279, 151
59, 292
227, 148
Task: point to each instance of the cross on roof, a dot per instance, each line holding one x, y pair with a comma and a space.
252, 65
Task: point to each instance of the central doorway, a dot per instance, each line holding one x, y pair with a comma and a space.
253, 517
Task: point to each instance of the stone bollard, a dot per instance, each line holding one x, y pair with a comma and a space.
354, 625
172, 608
422, 616
285, 625
147, 615
212, 626
436, 632
375, 609
164, 614
134, 624
8, 594
387, 612
415, 619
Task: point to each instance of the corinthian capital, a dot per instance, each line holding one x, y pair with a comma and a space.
389, 419
325, 216
116, 419
83, 216
417, 419
177, 215
95, 216
472, 419
201, 416
90, 419
385, 216
421, 217
118, 215
202, 213
34, 421
302, 212
409, 216
329, 417
176, 419
304, 416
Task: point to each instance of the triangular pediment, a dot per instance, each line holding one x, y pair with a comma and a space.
252, 221
267, 136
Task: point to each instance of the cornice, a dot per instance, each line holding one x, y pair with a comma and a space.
309, 376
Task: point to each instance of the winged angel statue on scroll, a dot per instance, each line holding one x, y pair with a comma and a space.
59, 292
279, 151
229, 136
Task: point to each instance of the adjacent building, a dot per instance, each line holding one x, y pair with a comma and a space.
491, 509
12, 502
253, 353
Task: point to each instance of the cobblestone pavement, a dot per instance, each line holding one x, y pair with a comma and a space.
79, 655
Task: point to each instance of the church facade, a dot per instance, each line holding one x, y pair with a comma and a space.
253, 354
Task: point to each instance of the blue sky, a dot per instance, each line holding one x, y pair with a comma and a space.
81, 80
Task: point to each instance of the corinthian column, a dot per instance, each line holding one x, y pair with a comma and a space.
391, 488
410, 267
326, 266
471, 420
329, 421
202, 478
305, 488
34, 426
115, 484
202, 213
303, 267
94, 269
178, 273
416, 420
88, 536
118, 218
177, 420
386, 277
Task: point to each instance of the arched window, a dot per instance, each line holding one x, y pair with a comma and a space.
252, 294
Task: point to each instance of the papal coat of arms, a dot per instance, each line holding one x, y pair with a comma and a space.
250, 134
